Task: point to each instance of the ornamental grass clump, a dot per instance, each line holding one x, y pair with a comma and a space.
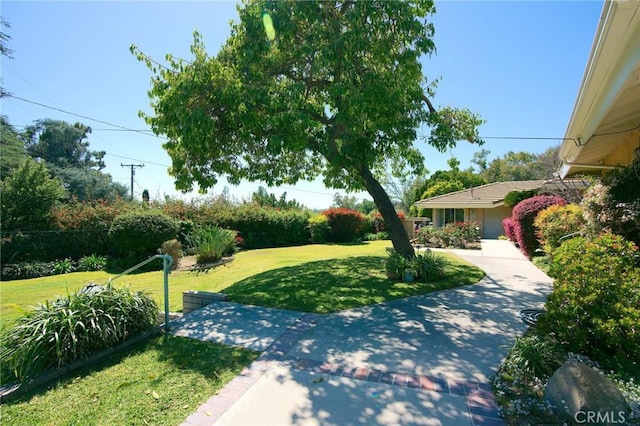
69, 328
212, 243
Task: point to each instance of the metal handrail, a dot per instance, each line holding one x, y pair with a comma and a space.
167, 262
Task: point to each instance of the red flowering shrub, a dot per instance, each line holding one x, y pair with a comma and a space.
346, 225
509, 226
524, 215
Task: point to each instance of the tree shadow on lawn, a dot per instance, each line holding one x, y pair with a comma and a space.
338, 284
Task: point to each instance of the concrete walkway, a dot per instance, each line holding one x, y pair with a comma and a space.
423, 360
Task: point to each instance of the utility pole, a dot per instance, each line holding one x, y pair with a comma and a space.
133, 172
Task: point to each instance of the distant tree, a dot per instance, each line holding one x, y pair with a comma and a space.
523, 166
4, 38
402, 190
335, 89
62, 145
366, 206
480, 160
27, 196
12, 151
344, 201
266, 199
4, 48
65, 149
445, 181
351, 202
87, 184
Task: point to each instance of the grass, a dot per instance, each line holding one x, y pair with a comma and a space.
166, 379
160, 382
257, 270
337, 284
542, 262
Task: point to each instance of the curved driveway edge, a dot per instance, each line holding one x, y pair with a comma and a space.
420, 360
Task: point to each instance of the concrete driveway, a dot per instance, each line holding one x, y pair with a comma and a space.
420, 360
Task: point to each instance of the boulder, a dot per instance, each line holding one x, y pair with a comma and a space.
585, 396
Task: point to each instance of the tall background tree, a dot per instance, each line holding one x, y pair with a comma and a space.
65, 149
4, 48
520, 165
12, 150
265, 199
333, 88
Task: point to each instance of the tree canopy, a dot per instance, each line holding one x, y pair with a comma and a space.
27, 196
65, 149
336, 89
520, 165
12, 150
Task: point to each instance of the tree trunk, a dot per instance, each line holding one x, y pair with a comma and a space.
393, 225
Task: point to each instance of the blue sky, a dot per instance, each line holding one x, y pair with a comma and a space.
517, 64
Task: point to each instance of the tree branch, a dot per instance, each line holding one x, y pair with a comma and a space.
432, 110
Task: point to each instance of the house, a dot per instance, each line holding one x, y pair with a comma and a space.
483, 204
604, 129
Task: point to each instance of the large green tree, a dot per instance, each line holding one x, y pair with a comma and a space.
65, 149
334, 89
522, 166
62, 144
12, 150
27, 196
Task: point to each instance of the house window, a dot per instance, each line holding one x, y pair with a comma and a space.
450, 216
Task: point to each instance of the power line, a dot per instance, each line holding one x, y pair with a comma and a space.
136, 159
145, 132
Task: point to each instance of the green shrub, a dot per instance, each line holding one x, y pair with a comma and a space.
382, 235
26, 270
514, 197
557, 221
346, 225
73, 327
594, 308
534, 356
319, 228
395, 265
212, 243
262, 227
428, 267
92, 263
614, 203
141, 233
174, 249
63, 266
452, 235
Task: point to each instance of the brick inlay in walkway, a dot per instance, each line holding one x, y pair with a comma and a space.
481, 402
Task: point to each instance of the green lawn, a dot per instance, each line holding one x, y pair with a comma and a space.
160, 382
166, 379
315, 278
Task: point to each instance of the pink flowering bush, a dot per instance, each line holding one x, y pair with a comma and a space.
509, 226
524, 215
